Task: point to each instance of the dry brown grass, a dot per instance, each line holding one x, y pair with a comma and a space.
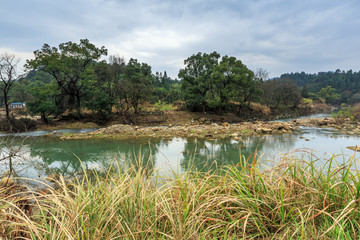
292, 200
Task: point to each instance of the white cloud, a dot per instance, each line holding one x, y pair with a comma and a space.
278, 35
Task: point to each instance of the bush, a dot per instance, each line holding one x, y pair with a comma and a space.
344, 113
355, 112
17, 125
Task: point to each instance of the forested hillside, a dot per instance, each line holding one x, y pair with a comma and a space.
344, 84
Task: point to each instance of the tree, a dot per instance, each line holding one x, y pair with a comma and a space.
196, 77
136, 83
71, 65
329, 94
261, 74
99, 91
44, 102
281, 92
8, 75
232, 81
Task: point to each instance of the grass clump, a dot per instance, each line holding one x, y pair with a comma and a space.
292, 200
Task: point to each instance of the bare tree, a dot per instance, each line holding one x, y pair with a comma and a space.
8, 75
261, 74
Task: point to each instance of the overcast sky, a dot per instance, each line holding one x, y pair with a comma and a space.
278, 35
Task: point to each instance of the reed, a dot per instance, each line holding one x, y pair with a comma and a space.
294, 199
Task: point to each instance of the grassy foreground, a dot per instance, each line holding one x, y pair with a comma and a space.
292, 200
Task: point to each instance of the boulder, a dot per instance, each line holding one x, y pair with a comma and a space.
266, 130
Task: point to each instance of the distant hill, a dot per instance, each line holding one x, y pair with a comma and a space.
347, 84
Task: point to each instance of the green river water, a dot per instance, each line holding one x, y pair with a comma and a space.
36, 157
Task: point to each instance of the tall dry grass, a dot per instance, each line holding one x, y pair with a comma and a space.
292, 200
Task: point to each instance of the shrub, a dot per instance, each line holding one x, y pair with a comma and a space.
17, 125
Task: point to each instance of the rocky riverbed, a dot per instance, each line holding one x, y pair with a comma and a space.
214, 130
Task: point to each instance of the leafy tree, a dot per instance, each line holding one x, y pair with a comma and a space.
71, 66
345, 83
43, 102
20, 91
8, 76
166, 89
136, 83
329, 94
232, 80
196, 79
99, 91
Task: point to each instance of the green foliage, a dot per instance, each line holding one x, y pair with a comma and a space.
136, 83
308, 101
232, 80
346, 84
43, 99
71, 66
210, 84
161, 106
196, 79
328, 93
99, 91
348, 112
166, 89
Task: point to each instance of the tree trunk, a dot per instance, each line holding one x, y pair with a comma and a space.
6, 106
44, 118
78, 106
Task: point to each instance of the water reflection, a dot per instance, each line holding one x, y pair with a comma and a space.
37, 156
208, 155
64, 157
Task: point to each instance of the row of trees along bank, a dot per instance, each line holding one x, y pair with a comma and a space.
73, 77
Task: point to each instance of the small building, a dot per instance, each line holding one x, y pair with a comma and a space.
17, 105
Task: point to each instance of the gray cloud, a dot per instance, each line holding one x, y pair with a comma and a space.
278, 35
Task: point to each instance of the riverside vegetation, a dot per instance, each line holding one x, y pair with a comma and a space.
72, 81
293, 199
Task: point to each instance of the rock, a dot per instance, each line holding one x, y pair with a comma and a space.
286, 127
234, 135
266, 130
323, 123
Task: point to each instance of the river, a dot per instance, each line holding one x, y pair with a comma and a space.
36, 157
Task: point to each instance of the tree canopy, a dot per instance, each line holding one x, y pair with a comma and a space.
71, 65
212, 84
